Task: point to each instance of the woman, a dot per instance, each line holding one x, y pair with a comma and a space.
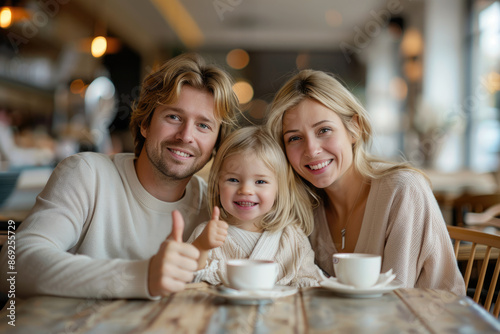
366, 205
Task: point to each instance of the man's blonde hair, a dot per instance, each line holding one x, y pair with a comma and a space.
291, 206
163, 87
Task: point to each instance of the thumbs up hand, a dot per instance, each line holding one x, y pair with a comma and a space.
175, 262
177, 227
214, 234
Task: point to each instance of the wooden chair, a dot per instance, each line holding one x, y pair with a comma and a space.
468, 203
472, 240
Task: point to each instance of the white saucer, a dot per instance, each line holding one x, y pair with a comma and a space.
254, 296
341, 290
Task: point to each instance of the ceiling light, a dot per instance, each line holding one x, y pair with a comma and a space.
91, 45
184, 25
98, 46
5, 17
10, 15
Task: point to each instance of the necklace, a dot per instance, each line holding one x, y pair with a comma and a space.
342, 231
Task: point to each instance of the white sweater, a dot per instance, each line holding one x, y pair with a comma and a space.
403, 223
290, 248
93, 230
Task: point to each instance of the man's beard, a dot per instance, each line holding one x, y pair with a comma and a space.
161, 164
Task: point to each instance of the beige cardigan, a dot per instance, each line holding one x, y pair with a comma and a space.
290, 248
402, 223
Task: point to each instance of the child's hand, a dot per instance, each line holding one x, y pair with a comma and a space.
214, 234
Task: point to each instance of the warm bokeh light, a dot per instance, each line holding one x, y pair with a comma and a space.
413, 69
244, 91
10, 15
257, 109
412, 44
98, 47
113, 45
333, 18
84, 89
493, 81
398, 88
5, 17
237, 59
302, 61
76, 86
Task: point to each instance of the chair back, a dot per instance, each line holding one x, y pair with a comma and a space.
469, 203
8, 182
474, 243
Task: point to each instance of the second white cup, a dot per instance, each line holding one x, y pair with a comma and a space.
244, 274
359, 270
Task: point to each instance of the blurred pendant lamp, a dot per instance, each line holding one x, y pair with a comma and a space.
102, 44
12, 13
99, 44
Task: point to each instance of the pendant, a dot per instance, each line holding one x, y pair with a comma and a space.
342, 233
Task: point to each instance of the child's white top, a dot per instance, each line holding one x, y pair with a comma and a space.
290, 248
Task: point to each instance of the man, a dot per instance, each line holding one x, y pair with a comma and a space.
99, 228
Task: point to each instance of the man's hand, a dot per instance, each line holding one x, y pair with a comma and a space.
213, 235
174, 264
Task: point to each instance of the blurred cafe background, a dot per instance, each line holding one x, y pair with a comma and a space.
428, 72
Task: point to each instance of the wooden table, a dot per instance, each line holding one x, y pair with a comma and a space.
198, 310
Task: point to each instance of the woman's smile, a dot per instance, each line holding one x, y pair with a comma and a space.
317, 143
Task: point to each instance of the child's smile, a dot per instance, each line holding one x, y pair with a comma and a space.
247, 189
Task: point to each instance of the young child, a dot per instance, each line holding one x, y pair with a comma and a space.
268, 217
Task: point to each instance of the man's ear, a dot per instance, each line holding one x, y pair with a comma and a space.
144, 130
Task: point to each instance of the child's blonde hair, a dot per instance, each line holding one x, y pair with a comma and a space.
292, 204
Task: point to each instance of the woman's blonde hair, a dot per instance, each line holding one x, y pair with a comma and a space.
163, 87
291, 206
325, 89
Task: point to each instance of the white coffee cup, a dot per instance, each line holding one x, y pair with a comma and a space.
244, 274
359, 270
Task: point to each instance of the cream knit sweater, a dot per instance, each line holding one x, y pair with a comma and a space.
290, 248
402, 223
93, 230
